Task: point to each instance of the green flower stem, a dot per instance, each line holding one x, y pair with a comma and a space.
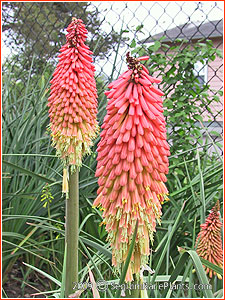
135, 293
72, 229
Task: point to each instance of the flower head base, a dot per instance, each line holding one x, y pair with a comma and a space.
209, 242
132, 163
73, 99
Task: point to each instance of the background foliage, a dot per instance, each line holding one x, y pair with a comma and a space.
41, 25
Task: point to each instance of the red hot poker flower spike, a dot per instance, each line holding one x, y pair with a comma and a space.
132, 163
73, 99
209, 242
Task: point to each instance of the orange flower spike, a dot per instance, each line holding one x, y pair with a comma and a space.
132, 163
209, 242
73, 99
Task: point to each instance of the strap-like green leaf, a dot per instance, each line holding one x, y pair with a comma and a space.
126, 265
43, 273
62, 291
28, 172
199, 270
200, 273
210, 265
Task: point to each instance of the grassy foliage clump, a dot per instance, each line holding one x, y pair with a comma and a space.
33, 206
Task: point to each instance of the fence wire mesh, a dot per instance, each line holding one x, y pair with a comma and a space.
33, 32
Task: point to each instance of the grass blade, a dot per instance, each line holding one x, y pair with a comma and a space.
210, 265
43, 273
127, 262
176, 272
202, 191
27, 172
62, 291
97, 246
166, 245
200, 273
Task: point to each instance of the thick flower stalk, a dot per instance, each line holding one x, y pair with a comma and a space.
73, 99
132, 163
209, 242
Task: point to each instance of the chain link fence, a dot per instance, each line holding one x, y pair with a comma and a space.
33, 32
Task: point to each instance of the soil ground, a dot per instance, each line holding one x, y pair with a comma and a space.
15, 287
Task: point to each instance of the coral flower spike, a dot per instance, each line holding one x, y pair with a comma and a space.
209, 242
73, 99
132, 163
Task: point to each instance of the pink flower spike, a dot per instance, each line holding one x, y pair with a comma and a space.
73, 100
209, 242
132, 163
